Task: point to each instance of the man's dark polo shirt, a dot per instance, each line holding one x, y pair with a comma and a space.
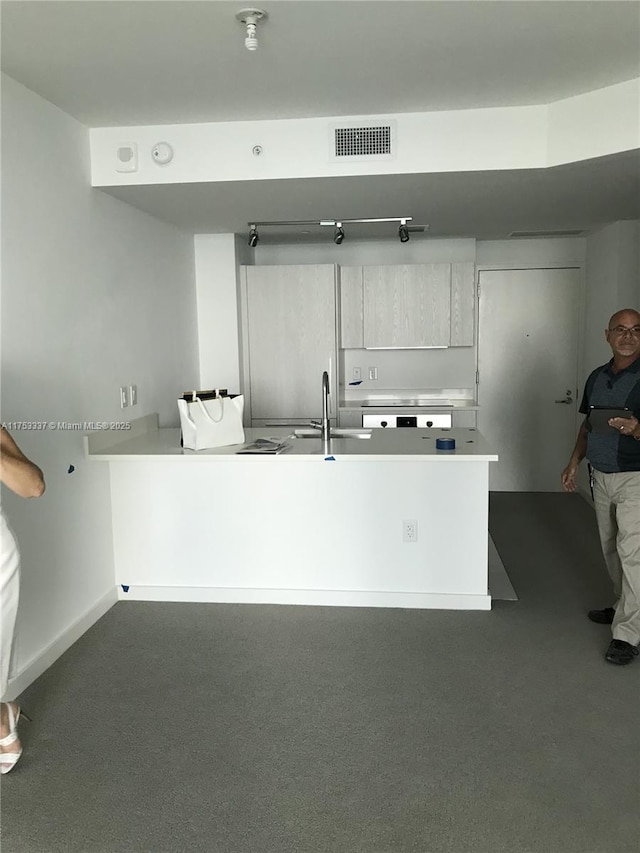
613, 452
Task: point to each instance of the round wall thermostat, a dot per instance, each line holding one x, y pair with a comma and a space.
162, 153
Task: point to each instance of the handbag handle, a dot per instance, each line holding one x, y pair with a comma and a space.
206, 413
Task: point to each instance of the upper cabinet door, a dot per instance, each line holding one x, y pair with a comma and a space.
291, 318
351, 321
407, 305
463, 300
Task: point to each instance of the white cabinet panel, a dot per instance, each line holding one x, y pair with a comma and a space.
291, 324
407, 305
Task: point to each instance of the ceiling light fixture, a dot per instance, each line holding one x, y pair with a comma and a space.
250, 17
338, 234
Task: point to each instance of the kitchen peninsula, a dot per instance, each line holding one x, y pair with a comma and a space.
315, 525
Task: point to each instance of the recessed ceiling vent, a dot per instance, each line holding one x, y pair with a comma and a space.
575, 233
366, 142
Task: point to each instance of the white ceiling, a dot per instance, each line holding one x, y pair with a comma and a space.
162, 61
115, 62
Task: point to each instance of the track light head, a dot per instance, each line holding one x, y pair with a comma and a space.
403, 232
338, 237
254, 238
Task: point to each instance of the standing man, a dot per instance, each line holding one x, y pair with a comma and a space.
614, 456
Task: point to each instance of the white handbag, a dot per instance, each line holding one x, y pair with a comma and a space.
211, 423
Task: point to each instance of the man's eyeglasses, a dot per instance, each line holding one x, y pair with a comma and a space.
634, 331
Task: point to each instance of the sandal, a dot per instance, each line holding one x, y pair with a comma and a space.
8, 760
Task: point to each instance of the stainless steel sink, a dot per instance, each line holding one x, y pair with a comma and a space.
335, 433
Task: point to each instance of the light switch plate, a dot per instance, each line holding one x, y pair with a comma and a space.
373, 373
133, 394
124, 399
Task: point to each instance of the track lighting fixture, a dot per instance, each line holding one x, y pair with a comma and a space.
250, 17
338, 234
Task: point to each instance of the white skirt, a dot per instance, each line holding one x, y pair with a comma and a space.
9, 594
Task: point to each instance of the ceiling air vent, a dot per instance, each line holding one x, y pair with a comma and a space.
575, 233
366, 142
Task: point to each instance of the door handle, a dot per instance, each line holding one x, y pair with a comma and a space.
568, 401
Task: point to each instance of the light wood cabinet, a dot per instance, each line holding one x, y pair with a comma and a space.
407, 305
412, 305
290, 323
463, 300
351, 320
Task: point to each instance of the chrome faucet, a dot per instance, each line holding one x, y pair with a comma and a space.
325, 424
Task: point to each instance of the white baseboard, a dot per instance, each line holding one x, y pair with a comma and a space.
59, 646
329, 597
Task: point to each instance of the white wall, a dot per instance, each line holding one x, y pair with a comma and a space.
95, 294
216, 288
613, 282
449, 141
522, 137
218, 258
419, 250
594, 124
532, 252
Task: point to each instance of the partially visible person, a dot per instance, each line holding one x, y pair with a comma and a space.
614, 457
24, 478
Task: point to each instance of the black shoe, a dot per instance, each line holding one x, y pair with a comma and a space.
621, 652
603, 617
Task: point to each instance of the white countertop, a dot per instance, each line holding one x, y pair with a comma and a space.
146, 443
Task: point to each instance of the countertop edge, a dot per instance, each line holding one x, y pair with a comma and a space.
149, 443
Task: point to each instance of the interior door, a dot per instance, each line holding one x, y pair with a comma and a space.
527, 364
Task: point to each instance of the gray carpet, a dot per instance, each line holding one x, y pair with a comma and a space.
265, 729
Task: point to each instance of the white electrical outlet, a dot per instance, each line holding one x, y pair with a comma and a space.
410, 530
373, 373
357, 374
124, 398
133, 394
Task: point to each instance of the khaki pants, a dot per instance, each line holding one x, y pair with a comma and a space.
617, 503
